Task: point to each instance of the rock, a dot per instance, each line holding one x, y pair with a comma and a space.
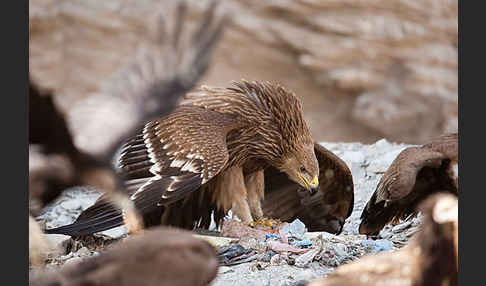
71, 204
306, 258
217, 241
301, 243
364, 70
268, 255
116, 233
72, 260
83, 251
377, 245
296, 229
59, 243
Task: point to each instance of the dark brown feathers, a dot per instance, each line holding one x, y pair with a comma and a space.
416, 173
429, 259
325, 210
160, 256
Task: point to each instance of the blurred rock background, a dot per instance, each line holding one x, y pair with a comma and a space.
364, 69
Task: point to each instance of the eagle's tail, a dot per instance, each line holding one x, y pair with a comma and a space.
99, 217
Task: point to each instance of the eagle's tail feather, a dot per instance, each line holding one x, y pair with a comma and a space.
99, 217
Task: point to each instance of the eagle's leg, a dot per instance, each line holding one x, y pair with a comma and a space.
255, 190
235, 194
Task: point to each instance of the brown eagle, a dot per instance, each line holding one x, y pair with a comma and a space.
416, 173
429, 259
160, 256
324, 210
218, 143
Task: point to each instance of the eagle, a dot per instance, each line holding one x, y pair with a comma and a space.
213, 151
325, 210
416, 173
431, 257
160, 256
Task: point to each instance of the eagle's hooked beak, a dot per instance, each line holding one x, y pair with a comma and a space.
314, 185
311, 186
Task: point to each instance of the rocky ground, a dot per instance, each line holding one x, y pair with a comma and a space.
367, 164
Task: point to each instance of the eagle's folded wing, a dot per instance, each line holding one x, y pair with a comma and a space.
175, 155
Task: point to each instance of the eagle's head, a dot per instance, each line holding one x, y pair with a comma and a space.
301, 166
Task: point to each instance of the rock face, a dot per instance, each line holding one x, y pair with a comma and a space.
365, 69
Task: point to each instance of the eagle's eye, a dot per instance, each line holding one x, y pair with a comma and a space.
302, 169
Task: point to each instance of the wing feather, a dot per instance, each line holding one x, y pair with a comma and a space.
181, 152
399, 180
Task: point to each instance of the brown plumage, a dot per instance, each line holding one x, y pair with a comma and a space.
416, 173
160, 256
219, 141
326, 210
429, 259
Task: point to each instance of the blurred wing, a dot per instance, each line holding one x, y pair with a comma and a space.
174, 156
447, 144
324, 211
164, 68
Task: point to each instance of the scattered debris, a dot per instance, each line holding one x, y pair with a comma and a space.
277, 253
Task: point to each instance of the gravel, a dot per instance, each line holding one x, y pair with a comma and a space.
367, 164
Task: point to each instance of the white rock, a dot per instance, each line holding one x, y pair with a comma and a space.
71, 204
117, 232
58, 243
75, 259
83, 251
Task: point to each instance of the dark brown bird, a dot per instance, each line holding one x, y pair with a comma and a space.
324, 211
219, 138
159, 256
429, 259
416, 173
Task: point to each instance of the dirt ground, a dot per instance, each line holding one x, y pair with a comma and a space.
367, 164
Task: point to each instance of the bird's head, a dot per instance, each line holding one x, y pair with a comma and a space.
301, 166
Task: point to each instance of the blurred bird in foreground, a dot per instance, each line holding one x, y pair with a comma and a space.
83, 143
431, 257
416, 173
161, 256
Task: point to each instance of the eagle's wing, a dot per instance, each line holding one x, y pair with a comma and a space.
324, 211
176, 155
447, 144
399, 180
412, 176
165, 67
